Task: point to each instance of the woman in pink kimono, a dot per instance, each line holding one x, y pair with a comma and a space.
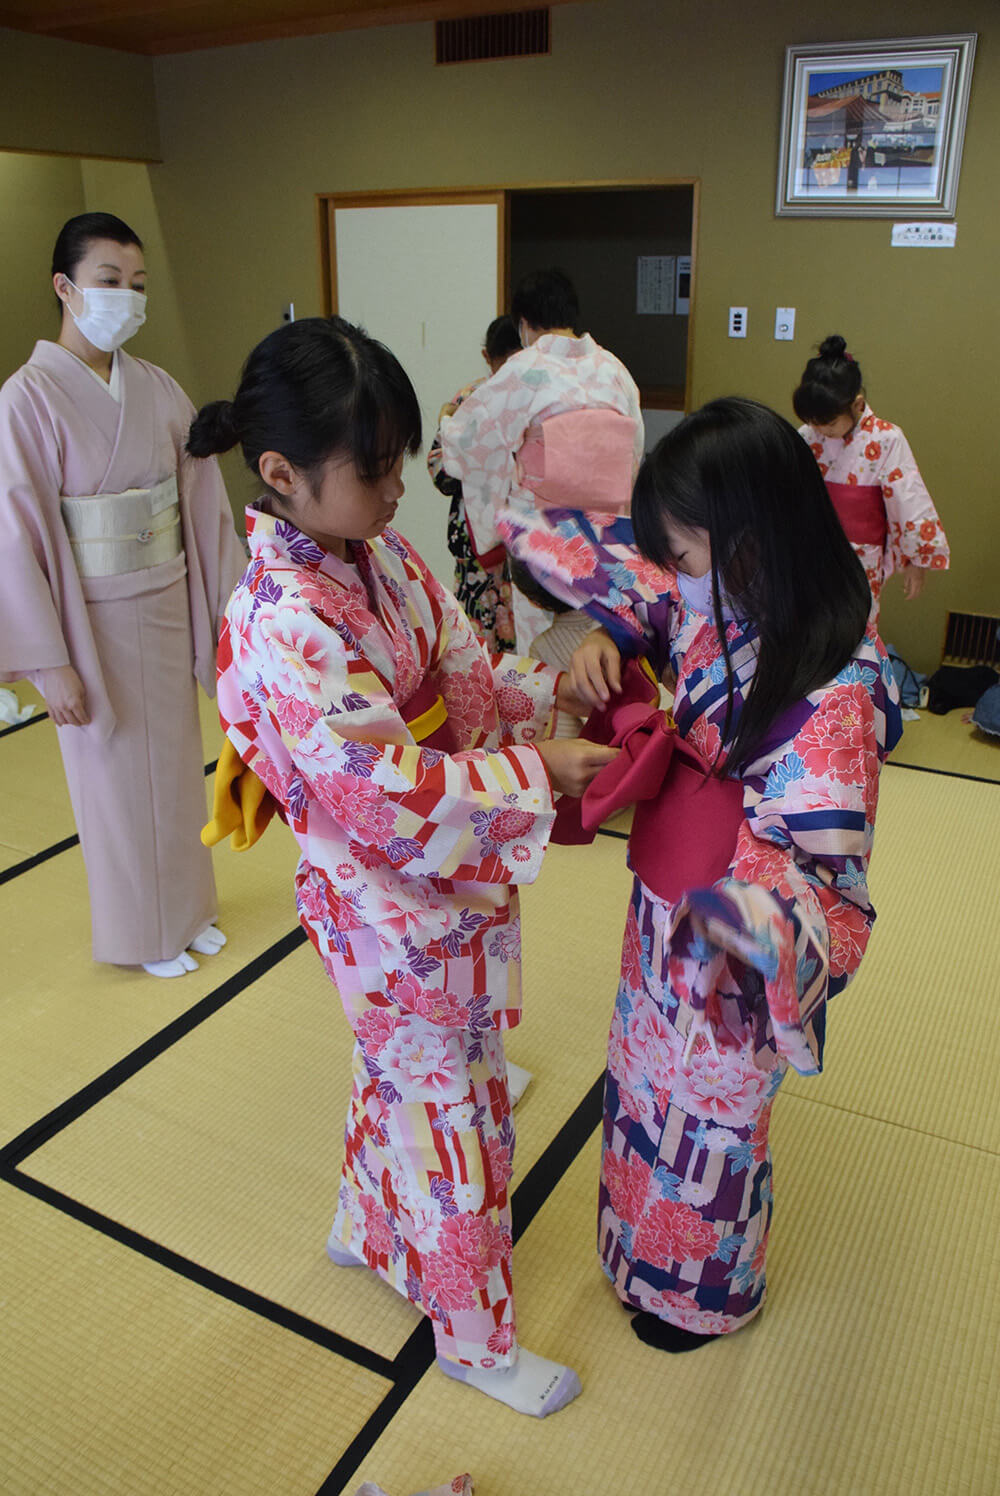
119, 555
870, 474
754, 816
559, 423
418, 780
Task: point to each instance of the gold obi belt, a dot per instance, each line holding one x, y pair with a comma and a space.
112, 533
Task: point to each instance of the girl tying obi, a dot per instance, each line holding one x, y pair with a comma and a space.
754, 813
417, 778
560, 418
870, 474
119, 555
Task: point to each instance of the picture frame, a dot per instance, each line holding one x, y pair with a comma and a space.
874, 129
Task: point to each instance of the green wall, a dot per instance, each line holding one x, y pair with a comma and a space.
38, 193
75, 100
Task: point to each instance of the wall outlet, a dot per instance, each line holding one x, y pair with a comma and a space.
784, 323
288, 312
737, 321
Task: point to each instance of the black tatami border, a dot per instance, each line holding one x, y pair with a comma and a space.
20, 726
25, 866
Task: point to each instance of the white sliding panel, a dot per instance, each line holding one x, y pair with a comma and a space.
423, 280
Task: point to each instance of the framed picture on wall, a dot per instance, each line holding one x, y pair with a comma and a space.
874, 129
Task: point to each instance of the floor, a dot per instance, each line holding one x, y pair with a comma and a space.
168, 1162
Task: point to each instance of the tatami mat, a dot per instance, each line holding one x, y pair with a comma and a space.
227, 1147
64, 1019
870, 1372
950, 745
122, 1379
907, 1041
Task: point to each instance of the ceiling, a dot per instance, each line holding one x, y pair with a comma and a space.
157, 26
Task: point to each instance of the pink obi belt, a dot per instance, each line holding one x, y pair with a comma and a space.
686, 819
861, 510
582, 459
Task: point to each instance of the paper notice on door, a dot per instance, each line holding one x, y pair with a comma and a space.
654, 285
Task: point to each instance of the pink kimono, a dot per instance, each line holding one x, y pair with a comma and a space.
404, 888
138, 638
883, 503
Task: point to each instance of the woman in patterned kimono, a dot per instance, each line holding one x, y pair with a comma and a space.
561, 416
418, 781
482, 583
750, 843
870, 474
119, 554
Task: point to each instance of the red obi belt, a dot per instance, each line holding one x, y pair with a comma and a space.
861, 510
686, 820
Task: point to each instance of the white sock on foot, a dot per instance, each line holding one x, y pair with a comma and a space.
533, 1385
175, 968
338, 1254
518, 1081
208, 942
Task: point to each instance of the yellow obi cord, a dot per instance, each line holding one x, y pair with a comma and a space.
242, 806
435, 716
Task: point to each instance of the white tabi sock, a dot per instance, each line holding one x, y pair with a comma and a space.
175, 968
518, 1081
208, 942
533, 1385
338, 1254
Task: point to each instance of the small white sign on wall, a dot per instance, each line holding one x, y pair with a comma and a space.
654, 285
924, 235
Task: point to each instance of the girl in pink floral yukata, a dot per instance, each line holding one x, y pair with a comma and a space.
870, 474
753, 825
418, 778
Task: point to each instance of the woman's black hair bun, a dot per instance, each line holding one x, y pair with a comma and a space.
213, 430
833, 347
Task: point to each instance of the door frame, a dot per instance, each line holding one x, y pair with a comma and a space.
327, 204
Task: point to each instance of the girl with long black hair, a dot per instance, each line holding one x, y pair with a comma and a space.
752, 831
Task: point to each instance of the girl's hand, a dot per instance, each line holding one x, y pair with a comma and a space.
914, 578
572, 763
64, 696
568, 698
596, 669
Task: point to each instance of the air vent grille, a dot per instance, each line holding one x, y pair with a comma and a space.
521, 33
972, 639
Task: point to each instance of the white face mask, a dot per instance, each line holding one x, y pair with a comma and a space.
110, 315
697, 593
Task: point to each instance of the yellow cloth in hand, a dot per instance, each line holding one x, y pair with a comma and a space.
242, 805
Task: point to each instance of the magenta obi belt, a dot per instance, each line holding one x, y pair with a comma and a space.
242, 805
687, 820
581, 459
861, 510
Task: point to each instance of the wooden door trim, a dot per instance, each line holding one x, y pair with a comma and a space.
327, 204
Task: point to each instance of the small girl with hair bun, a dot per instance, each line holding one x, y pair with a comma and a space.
870, 473
417, 778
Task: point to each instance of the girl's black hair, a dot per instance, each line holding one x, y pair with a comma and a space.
77, 235
739, 471
830, 384
501, 338
527, 583
545, 298
311, 389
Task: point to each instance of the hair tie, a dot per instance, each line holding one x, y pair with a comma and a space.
849, 356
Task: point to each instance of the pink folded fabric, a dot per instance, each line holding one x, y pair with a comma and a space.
687, 819
582, 459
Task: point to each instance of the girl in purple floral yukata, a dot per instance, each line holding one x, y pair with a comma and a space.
753, 826
417, 776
